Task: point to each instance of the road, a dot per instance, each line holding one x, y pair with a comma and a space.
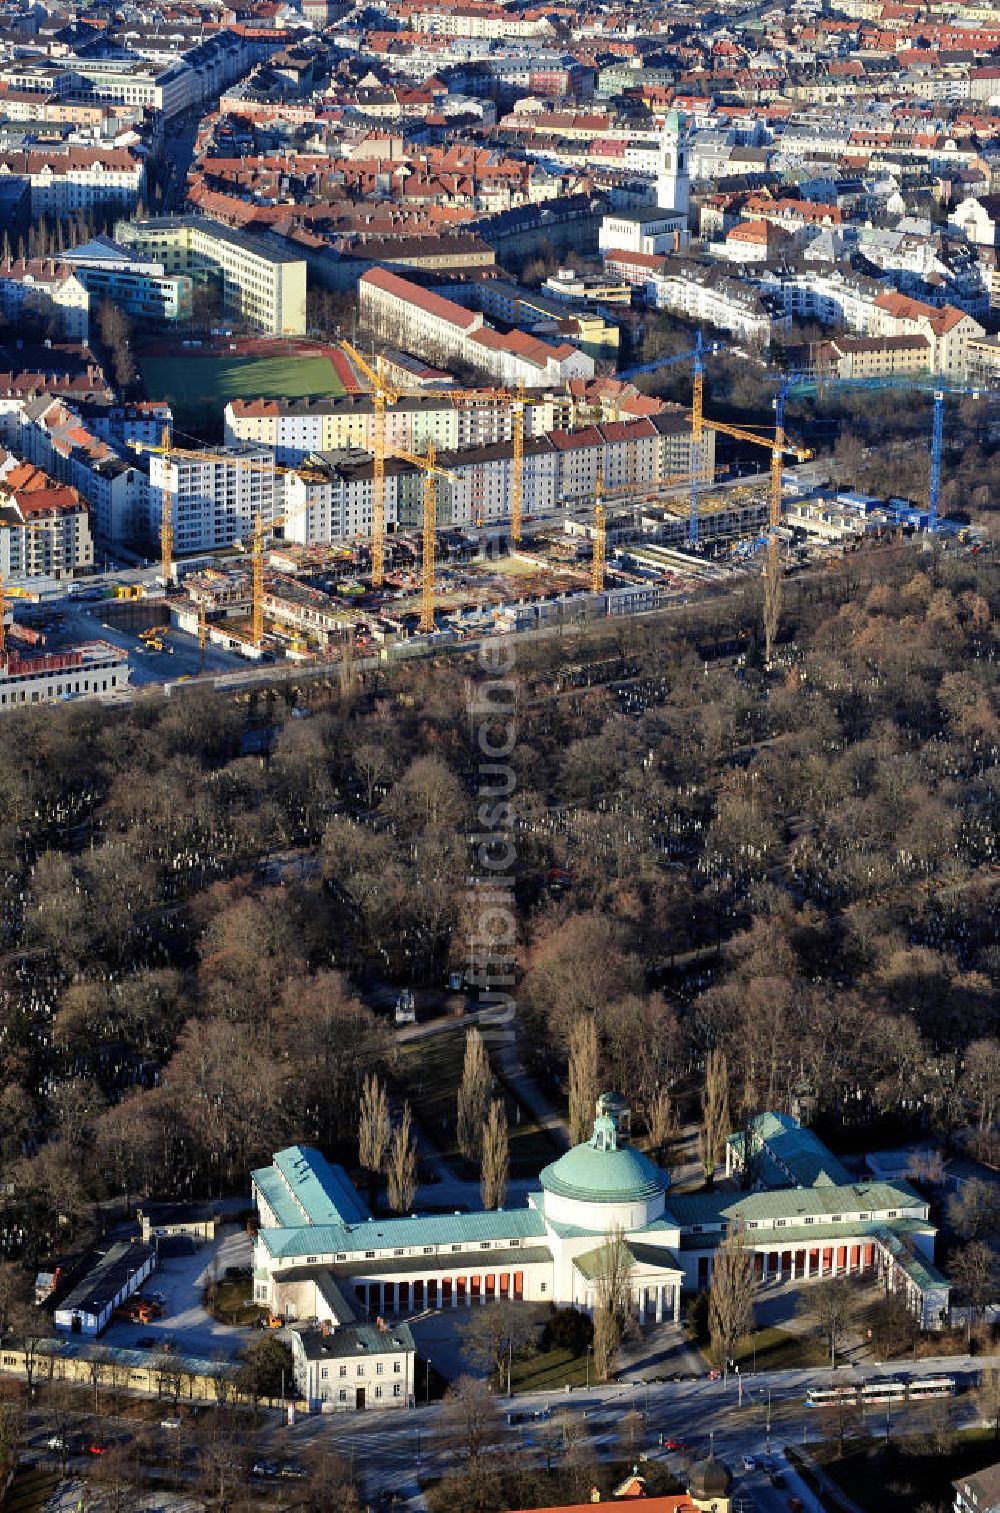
384, 1450
389, 1451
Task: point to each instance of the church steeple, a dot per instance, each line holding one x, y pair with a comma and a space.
672, 187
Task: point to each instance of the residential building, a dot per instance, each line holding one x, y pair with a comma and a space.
949, 331
404, 314
44, 526
215, 498
354, 1366
260, 282
47, 290
68, 178
979, 1492
978, 218
135, 284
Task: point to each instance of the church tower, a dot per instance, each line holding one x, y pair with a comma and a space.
672, 176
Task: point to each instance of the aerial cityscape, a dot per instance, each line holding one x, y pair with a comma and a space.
499, 756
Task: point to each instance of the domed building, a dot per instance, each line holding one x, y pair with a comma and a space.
321, 1254
709, 1484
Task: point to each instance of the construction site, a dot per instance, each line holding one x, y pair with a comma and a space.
448, 550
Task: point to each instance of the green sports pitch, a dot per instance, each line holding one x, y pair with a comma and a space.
198, 388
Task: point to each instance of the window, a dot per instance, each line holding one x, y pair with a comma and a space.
484, 1245
866, 1216
325, 1372
836, 1219
343, 1371
379, 1368
780, 1223
397, 1367
342, 1395
397, 1390
378, 1391
428, 1250
893, 1213
311, 1260
360, 1371
810, 1219
544, 1287
369, 1255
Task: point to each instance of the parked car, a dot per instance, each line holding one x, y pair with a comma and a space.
265, 1468
97, 1448
714, 1374
674, 1444
749, 1464
170, 1423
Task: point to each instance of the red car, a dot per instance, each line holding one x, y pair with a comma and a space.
674, 1444
97, 1449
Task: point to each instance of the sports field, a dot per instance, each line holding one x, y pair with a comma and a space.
198, 387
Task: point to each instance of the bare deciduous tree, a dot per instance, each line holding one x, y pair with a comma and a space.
374, 1128
582, 1077
833, 1305
496, 1156
730, 1298
401, 1167
613, 1320
473, 1096
714, 1111
469, 1417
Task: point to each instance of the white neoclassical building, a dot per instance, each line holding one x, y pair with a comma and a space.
320, 1254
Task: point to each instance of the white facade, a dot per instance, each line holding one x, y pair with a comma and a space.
672, 181
213, 504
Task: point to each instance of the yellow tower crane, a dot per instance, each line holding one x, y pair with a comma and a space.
517, 472
428, 559
600, 533
166, 522
384, 393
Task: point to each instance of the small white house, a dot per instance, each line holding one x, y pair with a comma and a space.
355, 1366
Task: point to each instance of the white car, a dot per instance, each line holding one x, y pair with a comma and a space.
170, 1423
749, 1464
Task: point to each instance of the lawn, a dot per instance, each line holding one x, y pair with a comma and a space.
779, 1350
199, 387
233, 1303
549, 1371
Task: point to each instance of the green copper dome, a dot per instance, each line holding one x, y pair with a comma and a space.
603, 1171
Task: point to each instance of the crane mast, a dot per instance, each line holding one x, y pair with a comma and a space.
429, 544
600, 534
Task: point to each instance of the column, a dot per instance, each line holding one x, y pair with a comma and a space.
642, 1305
794, 1254
454, 1292
368, 1296
659, 1305
805, 1270
439, 1294
482, 1290
395, 1297
468, 1292
677, 1302
381, 1298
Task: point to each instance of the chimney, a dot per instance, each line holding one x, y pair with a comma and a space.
326, 1328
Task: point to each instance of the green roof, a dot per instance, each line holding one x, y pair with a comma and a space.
616, 1174
302, 1187
414, 1231
792, 1154
876, 1198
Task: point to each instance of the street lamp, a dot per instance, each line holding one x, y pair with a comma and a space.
427, 1382
590, 1350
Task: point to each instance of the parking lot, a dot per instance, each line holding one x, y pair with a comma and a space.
180, 1280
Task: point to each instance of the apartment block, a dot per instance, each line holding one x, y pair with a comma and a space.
213, 503
68, 179
44, 526
439, 330
260, 282
47, 290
